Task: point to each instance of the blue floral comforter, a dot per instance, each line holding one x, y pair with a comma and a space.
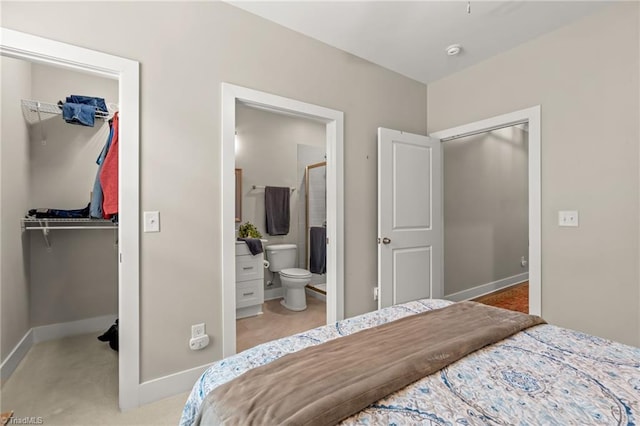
543, 375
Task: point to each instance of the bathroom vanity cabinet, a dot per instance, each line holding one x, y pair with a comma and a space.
249, 282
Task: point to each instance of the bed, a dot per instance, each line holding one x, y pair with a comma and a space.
541, 375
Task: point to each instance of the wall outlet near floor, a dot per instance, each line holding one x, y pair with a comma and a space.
375, 293
197, 330
523, 262
568, 218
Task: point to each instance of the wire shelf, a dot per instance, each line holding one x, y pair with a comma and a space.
29, 223
36, 111
47, 224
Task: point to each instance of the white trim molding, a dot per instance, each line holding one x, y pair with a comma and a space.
60, 330
334, 121
18, 353
532, 117
481, 290
37, 49
172, 384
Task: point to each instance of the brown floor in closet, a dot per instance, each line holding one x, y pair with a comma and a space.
277, 321
515, 298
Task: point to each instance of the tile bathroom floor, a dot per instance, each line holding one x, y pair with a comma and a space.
277, 321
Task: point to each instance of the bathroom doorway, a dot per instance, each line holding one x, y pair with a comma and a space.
276, 150
236, 101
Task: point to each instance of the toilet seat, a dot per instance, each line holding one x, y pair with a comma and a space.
295, 273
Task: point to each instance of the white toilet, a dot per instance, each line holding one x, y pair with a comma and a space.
282, 259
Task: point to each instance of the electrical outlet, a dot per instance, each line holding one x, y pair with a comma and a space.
197, 330
375, 293
568, 218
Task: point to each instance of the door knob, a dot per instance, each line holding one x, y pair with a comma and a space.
386, 240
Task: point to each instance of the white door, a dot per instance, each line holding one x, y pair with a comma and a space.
409, 217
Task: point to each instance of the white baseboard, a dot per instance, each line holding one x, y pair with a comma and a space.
72, 328
273, 293
12, 360
483, 289
51, 332
173, 384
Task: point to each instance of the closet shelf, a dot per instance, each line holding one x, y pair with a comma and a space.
29, 224
33, 111
47, 224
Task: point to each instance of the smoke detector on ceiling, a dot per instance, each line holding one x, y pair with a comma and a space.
454, 49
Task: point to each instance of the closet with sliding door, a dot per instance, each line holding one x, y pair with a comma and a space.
59, 275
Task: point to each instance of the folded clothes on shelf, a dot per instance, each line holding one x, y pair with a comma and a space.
82, 109
57, 213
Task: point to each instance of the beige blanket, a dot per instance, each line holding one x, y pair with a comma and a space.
324, 384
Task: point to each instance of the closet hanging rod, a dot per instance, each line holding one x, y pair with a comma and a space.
263, 187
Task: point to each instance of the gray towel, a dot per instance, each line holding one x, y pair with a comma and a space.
254, 245
318, 249
276, 206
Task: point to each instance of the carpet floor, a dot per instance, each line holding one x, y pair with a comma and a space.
74, 381
515, 298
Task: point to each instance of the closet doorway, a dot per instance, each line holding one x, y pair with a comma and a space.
35, 49
333, 123
531, 118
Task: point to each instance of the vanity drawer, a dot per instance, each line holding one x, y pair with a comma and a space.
249, 268
249, 293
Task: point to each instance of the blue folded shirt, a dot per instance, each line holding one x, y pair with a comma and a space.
99, 103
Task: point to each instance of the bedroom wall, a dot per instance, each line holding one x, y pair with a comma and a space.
186, 49
78, 277
486, 227
585, 77
14, 184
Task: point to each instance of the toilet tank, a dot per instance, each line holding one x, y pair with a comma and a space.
281, 256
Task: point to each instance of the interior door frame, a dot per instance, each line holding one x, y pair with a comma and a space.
31, 48
531, 116
334, 121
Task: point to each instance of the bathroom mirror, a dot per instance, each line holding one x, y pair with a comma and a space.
238, 195
316, 215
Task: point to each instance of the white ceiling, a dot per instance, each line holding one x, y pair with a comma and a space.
411, 37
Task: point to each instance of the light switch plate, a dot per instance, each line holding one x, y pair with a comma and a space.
568, 218
151, 221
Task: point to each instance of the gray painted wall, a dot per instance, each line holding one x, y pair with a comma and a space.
585, 77
485, 208
14, 192
186, 49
